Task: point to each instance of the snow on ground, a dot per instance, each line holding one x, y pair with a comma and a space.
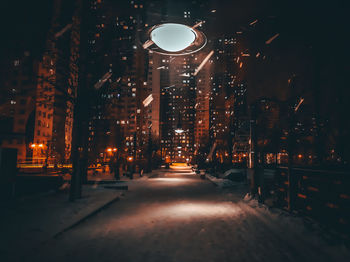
29, 221
180, 217
223, 182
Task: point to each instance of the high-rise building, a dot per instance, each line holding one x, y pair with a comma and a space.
116, 74
222, 98
57, 85
240, 128
202, 106
229, 123
17, 103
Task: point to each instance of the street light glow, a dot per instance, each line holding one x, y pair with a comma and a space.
173, 37
179, 131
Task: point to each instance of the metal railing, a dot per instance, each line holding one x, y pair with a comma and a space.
323, 195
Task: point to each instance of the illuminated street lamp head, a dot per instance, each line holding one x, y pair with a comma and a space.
179, 131
174, 39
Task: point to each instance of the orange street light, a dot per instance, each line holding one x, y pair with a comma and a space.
109, 149
130, 158
115, 149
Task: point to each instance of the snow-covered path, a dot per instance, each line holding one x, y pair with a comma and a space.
176, 216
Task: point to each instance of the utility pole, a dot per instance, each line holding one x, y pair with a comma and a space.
149, 152
292, 180
290, 148
254, 151
134, 154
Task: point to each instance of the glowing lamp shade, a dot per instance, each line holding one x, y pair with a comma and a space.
173, 37
179, 131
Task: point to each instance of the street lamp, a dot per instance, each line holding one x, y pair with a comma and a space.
174, 39
179, 130
111, 149
35, 148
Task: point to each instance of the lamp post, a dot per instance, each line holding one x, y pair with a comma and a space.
113, 161
134, 155
36, 149
149, 152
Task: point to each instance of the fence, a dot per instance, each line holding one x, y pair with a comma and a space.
321, 195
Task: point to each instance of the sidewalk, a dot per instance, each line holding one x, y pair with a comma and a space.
107, 176
29, 221
223, 182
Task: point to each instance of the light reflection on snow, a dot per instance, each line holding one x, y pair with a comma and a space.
175, 212
172, 179
201, 209
180, 168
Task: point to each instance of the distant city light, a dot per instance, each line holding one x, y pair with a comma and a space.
173, 37
271, 39
101, 81
148, 100
300, 102
206, 59
254, 22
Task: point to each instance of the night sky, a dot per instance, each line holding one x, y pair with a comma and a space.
311, 32
24, 26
